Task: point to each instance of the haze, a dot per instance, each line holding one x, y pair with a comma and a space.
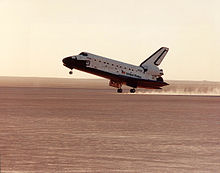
36, 35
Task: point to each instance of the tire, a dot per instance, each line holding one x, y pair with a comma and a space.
132, 90
119, 90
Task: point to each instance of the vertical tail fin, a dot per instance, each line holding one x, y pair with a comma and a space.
156, 58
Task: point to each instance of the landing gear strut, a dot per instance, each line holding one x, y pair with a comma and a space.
71, 72
132, 90
119, 90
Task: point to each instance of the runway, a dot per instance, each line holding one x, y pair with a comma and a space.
93, 129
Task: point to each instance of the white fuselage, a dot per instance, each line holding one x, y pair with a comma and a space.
119, 68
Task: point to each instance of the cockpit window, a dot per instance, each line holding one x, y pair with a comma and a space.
83, 54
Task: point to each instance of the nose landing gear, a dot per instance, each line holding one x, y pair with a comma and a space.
70, 72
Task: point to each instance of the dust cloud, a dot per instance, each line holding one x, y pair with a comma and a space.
187, 88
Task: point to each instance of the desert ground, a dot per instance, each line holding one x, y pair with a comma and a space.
50, 125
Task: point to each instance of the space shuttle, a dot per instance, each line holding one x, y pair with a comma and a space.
147, 75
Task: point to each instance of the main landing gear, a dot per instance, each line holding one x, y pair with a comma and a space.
132, 90
71, 72
119, 90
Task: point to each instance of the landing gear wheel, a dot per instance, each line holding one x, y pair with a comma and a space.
71, 72
132, 90
119, 90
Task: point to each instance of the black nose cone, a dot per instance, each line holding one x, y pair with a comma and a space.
67, 60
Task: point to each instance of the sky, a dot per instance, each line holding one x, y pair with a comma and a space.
35, 35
